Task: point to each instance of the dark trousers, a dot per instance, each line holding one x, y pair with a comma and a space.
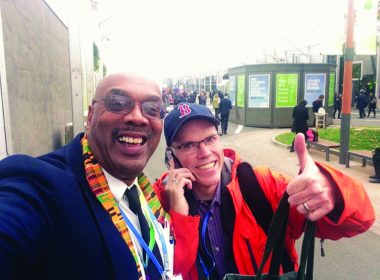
224, 123
335, 110
217, 113
361, 113
304, 134
372, 109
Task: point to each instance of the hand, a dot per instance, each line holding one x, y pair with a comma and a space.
174, 191
310, 192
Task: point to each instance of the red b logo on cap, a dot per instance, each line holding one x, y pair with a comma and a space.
184, 110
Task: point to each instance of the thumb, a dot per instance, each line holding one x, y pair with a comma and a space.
304, 158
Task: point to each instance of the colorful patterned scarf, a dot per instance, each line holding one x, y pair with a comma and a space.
101, 190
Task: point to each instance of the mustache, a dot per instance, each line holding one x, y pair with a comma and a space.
131, 128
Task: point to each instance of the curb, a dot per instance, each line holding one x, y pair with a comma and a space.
332, 151
284, 146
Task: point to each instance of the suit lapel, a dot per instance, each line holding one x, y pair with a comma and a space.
119, 253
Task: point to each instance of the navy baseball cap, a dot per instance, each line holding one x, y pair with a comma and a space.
183, 113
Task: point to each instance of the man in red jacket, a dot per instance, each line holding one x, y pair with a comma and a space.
201, 191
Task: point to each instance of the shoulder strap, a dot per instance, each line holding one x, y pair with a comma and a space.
259, 205
254, 196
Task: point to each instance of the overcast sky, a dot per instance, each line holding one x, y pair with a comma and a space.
178, 37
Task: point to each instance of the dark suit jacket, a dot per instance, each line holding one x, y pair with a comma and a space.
300, 116
51, 224
225, 106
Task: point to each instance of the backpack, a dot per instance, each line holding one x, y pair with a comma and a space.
259, 205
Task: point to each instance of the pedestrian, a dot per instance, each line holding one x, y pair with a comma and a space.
225, 106
376, 165
372, 105
300, 117
192, 97
86, 210
215, 105
203, 187
361, 104
202, 98
165, 97
316, 105
337, 105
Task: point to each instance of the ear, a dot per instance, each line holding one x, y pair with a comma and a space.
89, 116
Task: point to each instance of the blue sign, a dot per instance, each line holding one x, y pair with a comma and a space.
259, 91
315, 85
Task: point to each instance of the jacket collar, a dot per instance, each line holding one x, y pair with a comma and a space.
118, 251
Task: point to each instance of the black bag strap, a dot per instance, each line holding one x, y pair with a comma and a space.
277, 232
259, 205
254, 196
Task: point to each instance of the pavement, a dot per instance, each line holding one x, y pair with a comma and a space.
258, 147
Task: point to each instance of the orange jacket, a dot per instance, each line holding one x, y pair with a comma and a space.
357, 216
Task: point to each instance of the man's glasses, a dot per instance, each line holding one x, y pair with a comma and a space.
192, 146
123, 105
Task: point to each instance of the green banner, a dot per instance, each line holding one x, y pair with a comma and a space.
240, 91
286, 90
331, 89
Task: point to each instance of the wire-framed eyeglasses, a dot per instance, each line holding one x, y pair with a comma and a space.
123, 105
192, 146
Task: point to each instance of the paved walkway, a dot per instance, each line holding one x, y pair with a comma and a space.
256, 146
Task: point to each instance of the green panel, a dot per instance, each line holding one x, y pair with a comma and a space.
331, 89
240, 91
286, 90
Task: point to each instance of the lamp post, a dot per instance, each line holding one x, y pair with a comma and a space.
347, 85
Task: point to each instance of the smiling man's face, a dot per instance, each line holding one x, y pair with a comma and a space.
123, 143
206, 161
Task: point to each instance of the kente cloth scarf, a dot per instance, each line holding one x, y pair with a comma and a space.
99, 186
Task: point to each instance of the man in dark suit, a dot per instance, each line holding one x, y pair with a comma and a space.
86, 210
225, 107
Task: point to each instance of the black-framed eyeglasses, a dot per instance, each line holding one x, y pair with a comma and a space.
192, 146
123, 105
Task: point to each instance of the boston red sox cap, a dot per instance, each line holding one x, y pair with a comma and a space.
182, 113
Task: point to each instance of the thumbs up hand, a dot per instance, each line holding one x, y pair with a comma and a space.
310, 191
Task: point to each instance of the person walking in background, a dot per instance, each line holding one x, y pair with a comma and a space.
215, 105
225, 106
337, 105
372, 104
202, 98
300, 117
376, 165
361, 103
318, 103
192, 97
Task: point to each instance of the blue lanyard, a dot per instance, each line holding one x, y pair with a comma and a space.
145, 246
206, 271
165, 257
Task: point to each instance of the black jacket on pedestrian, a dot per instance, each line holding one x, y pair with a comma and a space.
316, 105
362, 101
300, 118
225, 106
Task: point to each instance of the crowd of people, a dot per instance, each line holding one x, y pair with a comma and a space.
87, 210
363, 100
220, 102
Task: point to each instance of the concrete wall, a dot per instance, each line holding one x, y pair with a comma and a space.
37, 63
